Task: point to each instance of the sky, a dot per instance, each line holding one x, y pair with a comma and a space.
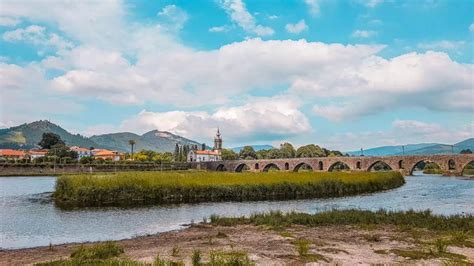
343, 74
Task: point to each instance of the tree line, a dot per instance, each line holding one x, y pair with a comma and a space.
286, 150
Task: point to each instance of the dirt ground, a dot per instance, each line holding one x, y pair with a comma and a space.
334, 245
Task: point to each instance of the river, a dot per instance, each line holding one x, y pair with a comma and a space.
28, 218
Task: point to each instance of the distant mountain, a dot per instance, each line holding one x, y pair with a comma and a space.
152, 140
391, 150
27, 136
417, 149
255, 147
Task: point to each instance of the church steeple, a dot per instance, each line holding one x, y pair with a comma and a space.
218, 141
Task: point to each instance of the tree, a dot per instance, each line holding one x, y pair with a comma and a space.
309, 151
247, 152
132, 143
274, 154
61, 151
262, 154
228, 154
176, 152
287, 150
466, 151
50, 139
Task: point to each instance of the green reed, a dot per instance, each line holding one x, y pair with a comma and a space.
136, 188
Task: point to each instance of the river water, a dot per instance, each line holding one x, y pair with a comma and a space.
29, 219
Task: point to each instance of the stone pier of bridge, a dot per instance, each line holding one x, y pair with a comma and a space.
450, 164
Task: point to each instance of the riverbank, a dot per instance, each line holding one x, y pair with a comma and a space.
139, 188
431, 240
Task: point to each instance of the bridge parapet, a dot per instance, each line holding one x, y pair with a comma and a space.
450, 164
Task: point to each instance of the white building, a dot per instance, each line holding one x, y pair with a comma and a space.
208, 155
81, 152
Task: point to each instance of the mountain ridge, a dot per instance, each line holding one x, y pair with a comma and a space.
27, 136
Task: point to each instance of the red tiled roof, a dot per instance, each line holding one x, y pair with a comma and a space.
10, 152
75, 148
207, 152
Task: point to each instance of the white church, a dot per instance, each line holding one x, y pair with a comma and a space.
207, 155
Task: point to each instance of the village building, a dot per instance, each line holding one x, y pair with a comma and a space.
35, 154
108, 155
12, 154
207, 155
81, 152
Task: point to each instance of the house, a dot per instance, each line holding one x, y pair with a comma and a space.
204, 156
34, 154
108, 155
207, 155
81, 152
12, 154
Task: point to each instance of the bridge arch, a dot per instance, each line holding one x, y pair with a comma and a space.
320, 166
468, 169
338, 166
425, 162
358, 165
242, 167
287, 166
221, 168
270, 166
304, 166
451, 164
401, 164
379, 166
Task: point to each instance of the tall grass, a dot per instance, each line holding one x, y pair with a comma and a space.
413, 219
135, 188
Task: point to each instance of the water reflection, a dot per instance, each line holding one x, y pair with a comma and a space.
29, 218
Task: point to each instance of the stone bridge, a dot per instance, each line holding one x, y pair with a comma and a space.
450, 164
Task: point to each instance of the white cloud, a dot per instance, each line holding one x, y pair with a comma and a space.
442, 45
174, 16
297, 27
363, 33
313, 6
471, 27
8, 21
268, 118
430, 80
224, 28
372, 3
402, 132
239, 14
272, 17
37, 35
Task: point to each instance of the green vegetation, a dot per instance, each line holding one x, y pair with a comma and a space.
414, 219
134, 188
431, 168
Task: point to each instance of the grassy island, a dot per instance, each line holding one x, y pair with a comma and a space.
137, 188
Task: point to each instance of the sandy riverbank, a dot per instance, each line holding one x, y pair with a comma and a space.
328, 244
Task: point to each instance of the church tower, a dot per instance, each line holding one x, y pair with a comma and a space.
218, 141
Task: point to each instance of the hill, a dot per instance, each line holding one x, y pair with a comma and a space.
416, 149
27, 136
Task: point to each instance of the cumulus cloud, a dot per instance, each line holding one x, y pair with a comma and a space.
313, 6
37, 35
363, 33
173, 16
239, 14
401, 132
297, 27
270, 118
8, 21
224, 28
471, 27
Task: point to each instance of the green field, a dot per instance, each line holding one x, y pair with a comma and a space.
138, 188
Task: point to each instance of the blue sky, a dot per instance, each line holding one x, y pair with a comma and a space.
341, 74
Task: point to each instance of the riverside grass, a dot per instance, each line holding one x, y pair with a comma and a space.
138, 188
